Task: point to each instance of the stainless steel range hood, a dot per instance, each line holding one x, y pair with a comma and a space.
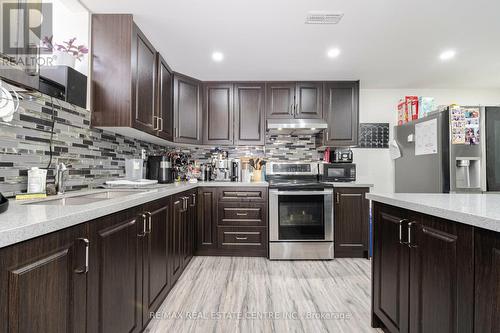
295, 126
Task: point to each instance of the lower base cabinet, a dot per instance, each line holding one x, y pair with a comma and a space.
423, 273
43, 284
487, 281
352, 225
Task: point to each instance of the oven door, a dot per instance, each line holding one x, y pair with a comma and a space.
301, 215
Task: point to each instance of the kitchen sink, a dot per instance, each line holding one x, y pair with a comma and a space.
83, 199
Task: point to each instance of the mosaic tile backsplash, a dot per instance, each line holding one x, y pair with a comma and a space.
96, 155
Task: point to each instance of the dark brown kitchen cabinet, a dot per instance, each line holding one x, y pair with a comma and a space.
206, 226
249, 117
390, 289
116, 272
131, 82
164, 118
143, 83
299, 100
423, 272
176, 236
43, 283
351, 222
280, 100
218, 113
341, 111
309, 100
441, 276
156, 258
189, 228
187, 110
487, 281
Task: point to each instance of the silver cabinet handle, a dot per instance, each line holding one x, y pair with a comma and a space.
291, 110
155, 123
143, 226
401, 222
194, 199
148, 231
241, 238
87, 245
161, 124
296, 109
410, 227
241, 214
338, 197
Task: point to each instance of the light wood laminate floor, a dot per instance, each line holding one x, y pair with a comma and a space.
230, 294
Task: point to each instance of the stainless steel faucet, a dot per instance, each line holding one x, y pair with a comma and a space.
60, 171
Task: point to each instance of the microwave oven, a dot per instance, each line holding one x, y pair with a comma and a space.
337, 172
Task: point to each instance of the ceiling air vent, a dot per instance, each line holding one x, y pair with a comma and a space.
315, 17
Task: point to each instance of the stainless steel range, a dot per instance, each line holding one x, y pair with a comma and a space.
300, 212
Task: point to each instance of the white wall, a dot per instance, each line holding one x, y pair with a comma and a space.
379, 106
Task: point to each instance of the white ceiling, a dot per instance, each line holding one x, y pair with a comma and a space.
384, 43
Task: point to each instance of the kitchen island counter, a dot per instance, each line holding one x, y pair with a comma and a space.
478, 210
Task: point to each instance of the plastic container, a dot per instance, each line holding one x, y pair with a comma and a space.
134, 169
37, 180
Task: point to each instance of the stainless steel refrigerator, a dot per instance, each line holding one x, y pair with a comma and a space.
492, 149
441, 153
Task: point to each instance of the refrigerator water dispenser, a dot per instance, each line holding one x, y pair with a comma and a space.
468, 173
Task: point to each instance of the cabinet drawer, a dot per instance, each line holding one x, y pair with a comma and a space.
238, 239
233, 213
242, 194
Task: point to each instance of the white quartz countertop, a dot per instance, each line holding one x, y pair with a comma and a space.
479, 210
23, 221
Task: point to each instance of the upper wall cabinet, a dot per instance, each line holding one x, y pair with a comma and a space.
218, 113
131, 82
249, 118
303, 100
187, 110
165, 100
341, 111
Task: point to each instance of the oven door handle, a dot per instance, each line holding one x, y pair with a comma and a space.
325, 192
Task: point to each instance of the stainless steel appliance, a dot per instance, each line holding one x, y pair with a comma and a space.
236, 170
65, 83
337, 172
441, 153
296, 126
492, 148
342, 156
300, 212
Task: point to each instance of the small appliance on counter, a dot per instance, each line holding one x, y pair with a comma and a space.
160, 168
4, 204
235, 170
337, 172
342, 156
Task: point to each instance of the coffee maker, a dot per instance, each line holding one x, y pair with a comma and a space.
160, 168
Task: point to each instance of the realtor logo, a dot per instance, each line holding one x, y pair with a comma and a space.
24, 27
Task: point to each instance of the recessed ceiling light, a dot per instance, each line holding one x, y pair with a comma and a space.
447, 55
333, 53
217, 56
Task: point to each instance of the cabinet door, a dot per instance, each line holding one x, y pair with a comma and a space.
351, 223
187, 110
43, 284
249, 122
487, 281
206, 228
218, 113
156, 282
309, 100
189, 229
176, 237
390, 296
165, 102
144, 82
115, 273
280, 100
441, 276
341, 110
